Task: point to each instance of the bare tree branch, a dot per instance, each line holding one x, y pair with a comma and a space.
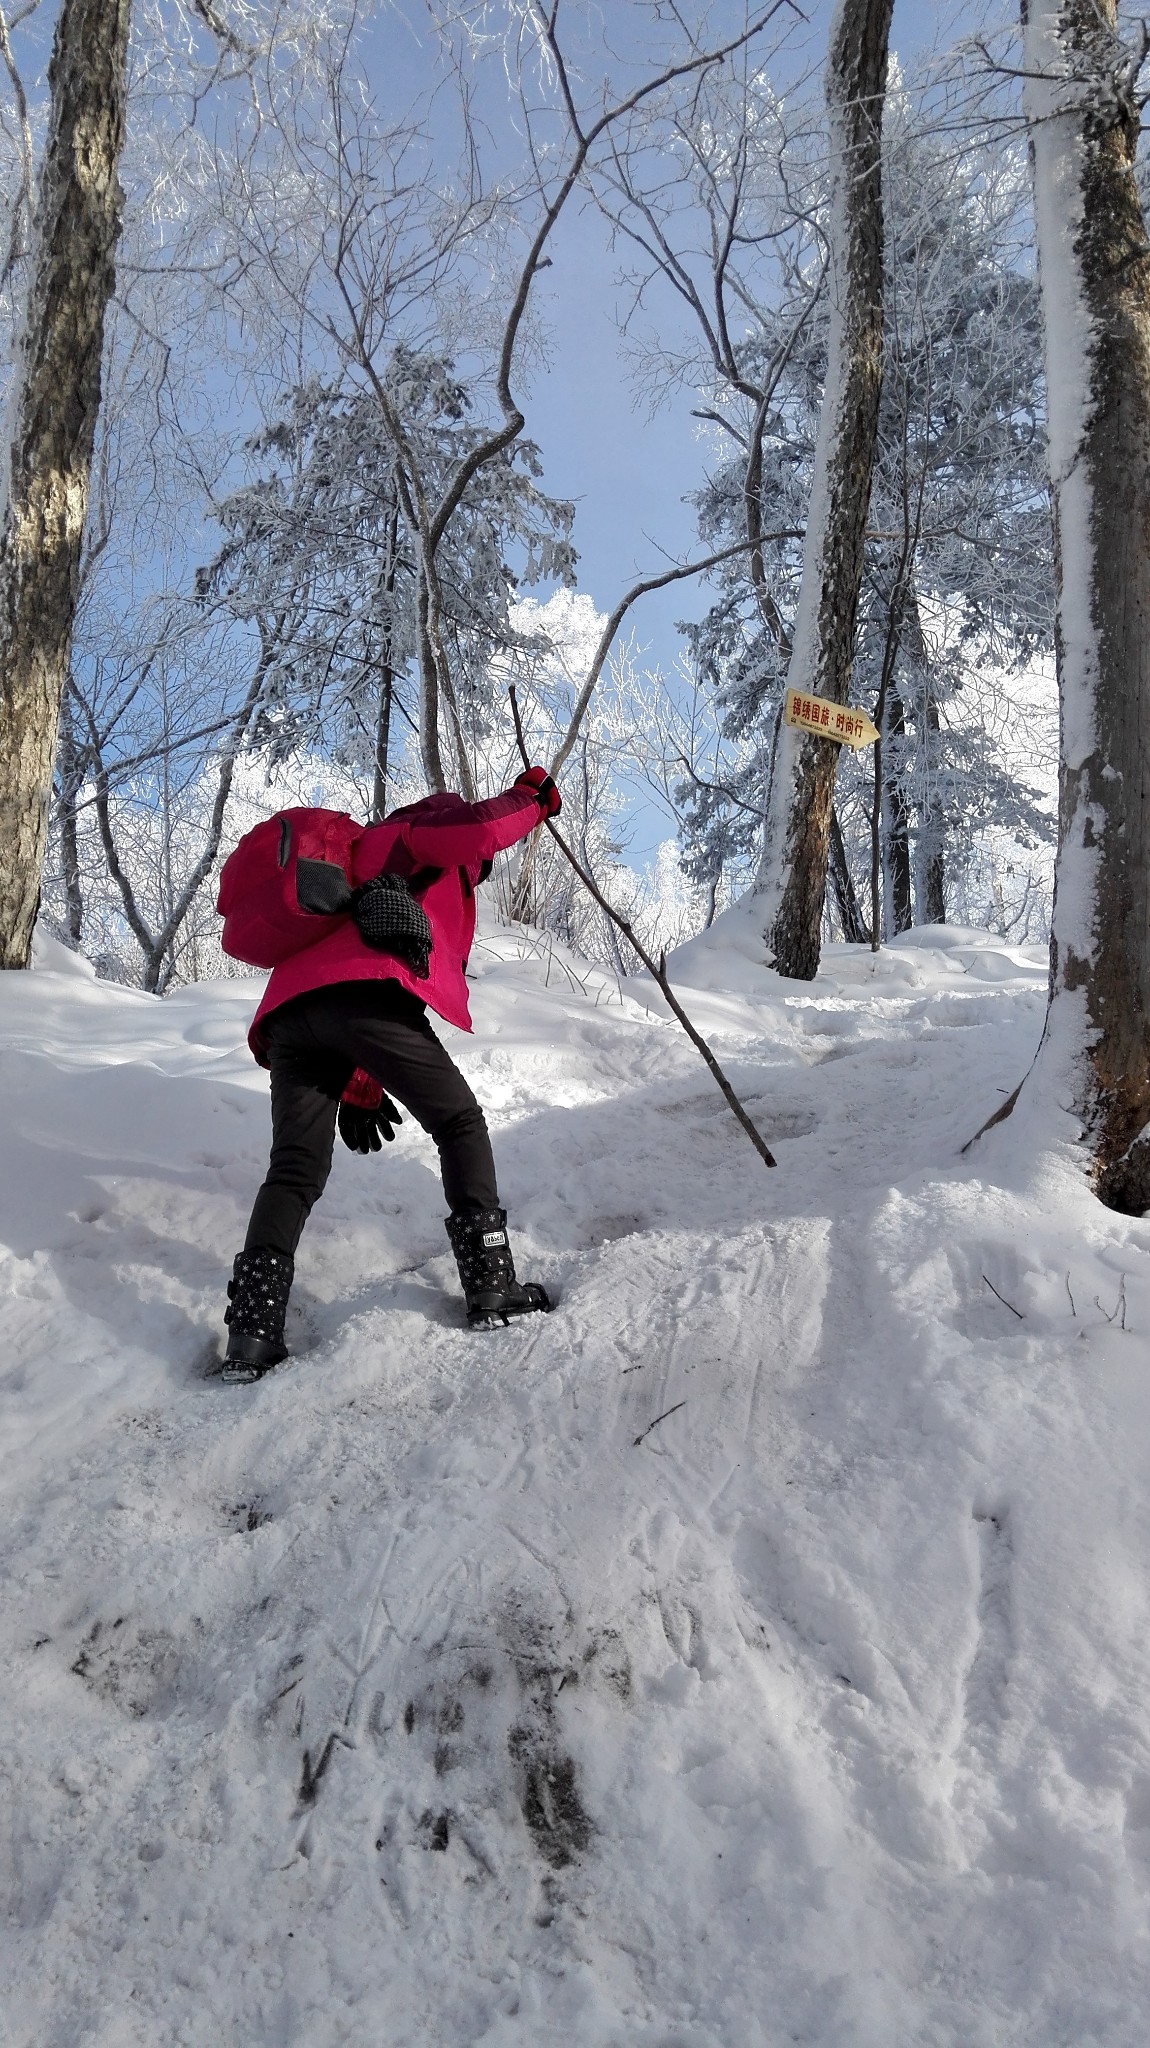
656, 970
638, 590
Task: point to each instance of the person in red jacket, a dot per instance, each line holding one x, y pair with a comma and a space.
345, 1019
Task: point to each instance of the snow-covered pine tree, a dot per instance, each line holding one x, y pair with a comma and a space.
320, 540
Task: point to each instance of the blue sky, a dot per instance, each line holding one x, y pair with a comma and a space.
627, 471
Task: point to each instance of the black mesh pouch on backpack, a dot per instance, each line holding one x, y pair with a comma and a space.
390, 919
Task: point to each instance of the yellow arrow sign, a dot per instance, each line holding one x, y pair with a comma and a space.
831, 721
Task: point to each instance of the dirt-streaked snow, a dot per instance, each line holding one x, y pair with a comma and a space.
426, 1695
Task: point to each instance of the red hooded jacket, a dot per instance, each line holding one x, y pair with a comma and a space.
440, 832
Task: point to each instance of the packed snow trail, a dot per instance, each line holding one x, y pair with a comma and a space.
435, 1691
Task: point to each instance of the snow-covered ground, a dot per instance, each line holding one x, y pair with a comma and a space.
436, 1691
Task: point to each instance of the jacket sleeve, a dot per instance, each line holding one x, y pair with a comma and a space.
362, 1091
477, 833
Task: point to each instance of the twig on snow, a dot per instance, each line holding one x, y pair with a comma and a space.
657, 1421
657, 971
311, 1776
1002, 1298
1073, 1310
1119, 1306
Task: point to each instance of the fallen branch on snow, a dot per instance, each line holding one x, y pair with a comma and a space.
1002, 1298
657, 1421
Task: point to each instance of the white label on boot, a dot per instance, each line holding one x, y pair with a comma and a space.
493, 1237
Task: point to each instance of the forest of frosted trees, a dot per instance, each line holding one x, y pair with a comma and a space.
325, 301
282, 524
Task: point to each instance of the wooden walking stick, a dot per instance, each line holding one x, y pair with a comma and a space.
658, 972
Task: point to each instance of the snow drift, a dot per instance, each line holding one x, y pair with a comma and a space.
754, 1651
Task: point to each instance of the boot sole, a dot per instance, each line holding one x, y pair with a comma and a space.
495, 1315
249, 1359
241, 1375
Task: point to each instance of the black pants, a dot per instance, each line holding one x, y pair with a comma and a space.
315, 1044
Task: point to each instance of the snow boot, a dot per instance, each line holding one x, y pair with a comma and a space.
258, 1296
483, 1255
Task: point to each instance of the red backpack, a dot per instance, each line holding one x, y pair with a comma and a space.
286, 885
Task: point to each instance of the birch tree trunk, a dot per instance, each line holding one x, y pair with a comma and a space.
54, 412
793, 872
1095, 278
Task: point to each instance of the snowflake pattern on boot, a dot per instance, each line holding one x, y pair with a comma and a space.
487, 1270
258, 1297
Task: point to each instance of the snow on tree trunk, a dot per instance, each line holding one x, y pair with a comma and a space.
1095, 278
793, 872
55, 404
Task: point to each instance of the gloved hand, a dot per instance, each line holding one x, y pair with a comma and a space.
542, 788
391, 920
361, 1128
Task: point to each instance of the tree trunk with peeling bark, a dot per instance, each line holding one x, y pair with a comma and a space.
1094, 262
54, 413
793, 873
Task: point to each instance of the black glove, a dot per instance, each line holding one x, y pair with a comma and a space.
390, 920
361, 1129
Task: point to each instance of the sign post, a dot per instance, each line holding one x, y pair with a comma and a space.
831, 721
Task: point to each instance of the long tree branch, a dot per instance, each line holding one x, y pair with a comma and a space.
428, 524
637, 591
493, 445
656, 970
